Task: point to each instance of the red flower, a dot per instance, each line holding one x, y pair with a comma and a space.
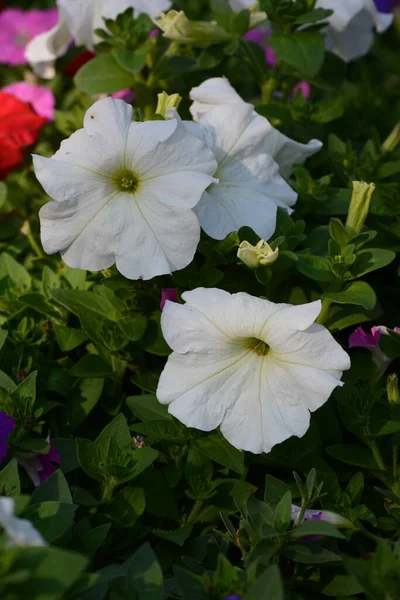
81, 59
19, 127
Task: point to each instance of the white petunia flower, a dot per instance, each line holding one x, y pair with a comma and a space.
252, 159
285, 151
238, 5
20, 532
252, 367
78, 20
124, 193
350, 33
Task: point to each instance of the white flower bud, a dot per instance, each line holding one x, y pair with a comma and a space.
260, 255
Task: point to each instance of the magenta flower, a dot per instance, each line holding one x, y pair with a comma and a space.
39, 97
40, 467
319, 515
168, 294
18, 27
303, 87
261, 37
361, 339
6, 428
127, 95
233, 597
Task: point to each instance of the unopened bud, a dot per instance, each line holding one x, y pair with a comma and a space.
393, 140
165, 102
260, 255
177, 27
392, 389
359, 204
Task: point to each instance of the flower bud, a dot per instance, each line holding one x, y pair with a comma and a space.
392, 389
177, 27
359, 204
393, 140
165, 102
260, 255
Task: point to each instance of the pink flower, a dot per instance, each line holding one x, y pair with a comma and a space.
261, 37
168, 294
361, 339
40, 467
304, 88
39, 97
18, 27
127, 95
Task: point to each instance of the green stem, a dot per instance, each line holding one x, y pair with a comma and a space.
395, 464
194, 512
252, 58
377, 455
323, 315
32, 242
301, 514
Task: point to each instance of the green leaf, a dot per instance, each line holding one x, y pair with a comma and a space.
303, 50
16, 273
353, 455
52, 519
275, 489
313, 16
358, 292
310, 554
81, 302
7, 383
68, 452
49, 281
190, 584
283, 512
82, 399
267, 587
390, 344
9, 480
131, 61
93, 366
26, 393
147, 408
144, 578
177, 537
95, 538
53, 572
30, 444
127, 506
371, 260
68, 338
163, 429
216, 447
316, 527
37, 302
3, 337
53, 489
103, 75
342, 585
315, 267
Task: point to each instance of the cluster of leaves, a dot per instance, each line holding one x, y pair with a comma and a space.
142, 507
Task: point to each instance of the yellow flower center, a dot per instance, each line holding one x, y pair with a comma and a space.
259, 347
126, 181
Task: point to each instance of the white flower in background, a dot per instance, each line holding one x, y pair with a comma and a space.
252, 159
252, 367
350, 33
285, 151
20, 532
124, 193
78, 20
238, 5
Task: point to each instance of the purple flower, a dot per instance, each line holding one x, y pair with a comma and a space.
168, 294
6, 428
303, 87
41, 98
233, 597
361, 339
40, 467
18, 27
261, 37
386, 6
318, 515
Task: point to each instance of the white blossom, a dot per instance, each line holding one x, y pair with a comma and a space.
251, 367
253, 157
123, 193
350, 33
78, 20
20, 532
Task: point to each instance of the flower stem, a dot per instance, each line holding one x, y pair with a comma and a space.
323, 315
377, 455
194, 512
26, 230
